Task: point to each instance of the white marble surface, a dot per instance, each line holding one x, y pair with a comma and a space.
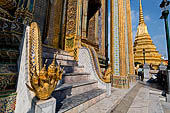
45, 106
107, 104
146, 101
24, 97
141, 102
86, 60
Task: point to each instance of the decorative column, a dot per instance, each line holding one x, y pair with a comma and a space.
55, 23
121, 38
112, 35
73, 27
130, 38
84, 21
119, 43
97, 27
103, 13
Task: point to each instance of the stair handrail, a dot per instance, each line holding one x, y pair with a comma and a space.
106, 78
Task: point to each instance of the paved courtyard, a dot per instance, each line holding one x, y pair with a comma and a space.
140, 98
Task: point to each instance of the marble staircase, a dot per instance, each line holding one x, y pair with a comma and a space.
76, 91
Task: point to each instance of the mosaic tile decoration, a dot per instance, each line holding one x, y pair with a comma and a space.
7, 103
116, 39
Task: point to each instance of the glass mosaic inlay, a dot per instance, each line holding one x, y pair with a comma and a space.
116, 39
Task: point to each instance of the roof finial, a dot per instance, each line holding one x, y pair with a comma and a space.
141, 18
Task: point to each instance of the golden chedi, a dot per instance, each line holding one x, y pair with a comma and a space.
45, 83
143, 43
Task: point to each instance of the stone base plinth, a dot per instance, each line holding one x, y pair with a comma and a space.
133, 78
168, 97
146, 71
120, 82
45, 106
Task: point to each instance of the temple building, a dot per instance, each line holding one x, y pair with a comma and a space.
42, 39
121, 40
144, 49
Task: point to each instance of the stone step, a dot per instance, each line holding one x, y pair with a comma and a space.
73, 69
62, 62
67, 62
59, 56
72, 89
48, 49
75, 77
81, 102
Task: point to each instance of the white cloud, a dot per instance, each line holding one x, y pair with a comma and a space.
135, 16
147, 18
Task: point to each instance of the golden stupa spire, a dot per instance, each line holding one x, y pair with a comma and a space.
141, 18
143, 42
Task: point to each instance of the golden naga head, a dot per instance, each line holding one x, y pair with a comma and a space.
108, 74
44, 82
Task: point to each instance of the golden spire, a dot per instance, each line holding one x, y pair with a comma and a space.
141, 18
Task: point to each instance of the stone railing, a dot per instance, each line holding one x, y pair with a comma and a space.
97, 65
87, 58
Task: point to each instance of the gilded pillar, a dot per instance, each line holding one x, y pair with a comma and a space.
115, 37
103, 27
112, 35
121, 38
84, 21
96, 28
55, 23
120, 43
73, 27
130, 39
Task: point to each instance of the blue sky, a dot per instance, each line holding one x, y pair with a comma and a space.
155, 25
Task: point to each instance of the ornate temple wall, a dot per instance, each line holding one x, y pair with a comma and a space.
92, 37
55, 24
40, 14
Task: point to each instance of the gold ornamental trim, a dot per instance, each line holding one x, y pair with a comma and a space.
43, 80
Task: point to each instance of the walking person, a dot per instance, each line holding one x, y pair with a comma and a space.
140, 73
